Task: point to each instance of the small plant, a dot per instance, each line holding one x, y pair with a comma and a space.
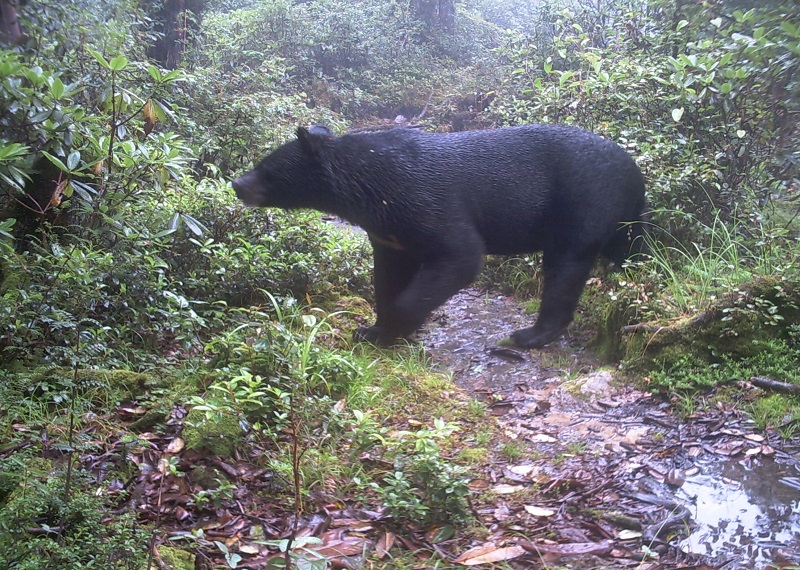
70, 534
513, 450
221, 494
424, 486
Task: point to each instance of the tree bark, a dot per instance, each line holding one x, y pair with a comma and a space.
11, 32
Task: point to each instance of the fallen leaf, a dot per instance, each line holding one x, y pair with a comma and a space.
504, 489
675, 477
755, 437
498, 555
539, 511
440, 534
569, 549
729, 448
176, 445
629, 534
543, 438
385, 543
476, 551
478, 484
249, 548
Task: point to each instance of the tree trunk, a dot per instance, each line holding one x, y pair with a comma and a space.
10, 32
174, 20
435, 13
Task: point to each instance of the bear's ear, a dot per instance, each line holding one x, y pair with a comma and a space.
312, 140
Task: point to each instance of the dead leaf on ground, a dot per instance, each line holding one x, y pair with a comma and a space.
488, 554
539, 511
569, 549
504, 489
384, 544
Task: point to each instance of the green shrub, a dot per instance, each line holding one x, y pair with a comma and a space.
39, 529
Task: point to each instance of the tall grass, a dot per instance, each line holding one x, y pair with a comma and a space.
695, 275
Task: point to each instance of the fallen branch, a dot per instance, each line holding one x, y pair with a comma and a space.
695, 321
776, 385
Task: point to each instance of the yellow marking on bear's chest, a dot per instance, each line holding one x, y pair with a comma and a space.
391, 242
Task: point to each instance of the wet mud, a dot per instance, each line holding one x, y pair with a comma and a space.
616, 464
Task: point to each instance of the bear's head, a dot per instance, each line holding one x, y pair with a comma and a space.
293, 176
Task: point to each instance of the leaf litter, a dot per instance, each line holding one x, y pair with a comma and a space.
604, 476
612, 463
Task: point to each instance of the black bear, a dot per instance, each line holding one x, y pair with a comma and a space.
434, 204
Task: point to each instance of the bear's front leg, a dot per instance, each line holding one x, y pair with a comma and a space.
408, 291
393, 270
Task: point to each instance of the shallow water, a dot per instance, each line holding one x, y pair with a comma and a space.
748, 511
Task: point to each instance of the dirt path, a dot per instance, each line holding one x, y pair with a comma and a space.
597, 474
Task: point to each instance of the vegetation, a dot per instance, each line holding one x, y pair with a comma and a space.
140, 304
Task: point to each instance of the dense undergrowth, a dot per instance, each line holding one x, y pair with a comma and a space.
139, 300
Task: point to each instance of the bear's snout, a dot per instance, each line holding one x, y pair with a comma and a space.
245, 191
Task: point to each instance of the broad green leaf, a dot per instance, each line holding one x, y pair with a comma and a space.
56, 161
195, 226
84, 190
12, 150
73, 159
99, 57
41, 116
790, 29
163, 233
118, 63
682, 24
57, 88
175, 75
154, 72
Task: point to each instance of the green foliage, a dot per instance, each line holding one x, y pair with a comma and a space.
697, 109
771, 358
424, 485
39, 528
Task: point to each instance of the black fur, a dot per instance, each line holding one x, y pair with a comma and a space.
435, 204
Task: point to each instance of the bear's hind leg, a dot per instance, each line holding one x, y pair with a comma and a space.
564, 280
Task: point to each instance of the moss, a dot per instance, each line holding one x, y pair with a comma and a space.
218, 433
148, 421
348, 314
474, 456
737, 327
176, 559
206, 476
123, 384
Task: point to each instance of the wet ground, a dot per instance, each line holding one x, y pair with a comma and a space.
627, 482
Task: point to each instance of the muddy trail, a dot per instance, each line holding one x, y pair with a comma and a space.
597, 474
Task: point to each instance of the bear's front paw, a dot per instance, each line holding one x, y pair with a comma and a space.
374, 335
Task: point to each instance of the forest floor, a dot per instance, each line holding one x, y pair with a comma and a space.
604, 474
582, 468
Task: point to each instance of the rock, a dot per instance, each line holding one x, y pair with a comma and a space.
597, 385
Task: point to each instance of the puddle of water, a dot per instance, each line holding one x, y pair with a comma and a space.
745, 509
744, 512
